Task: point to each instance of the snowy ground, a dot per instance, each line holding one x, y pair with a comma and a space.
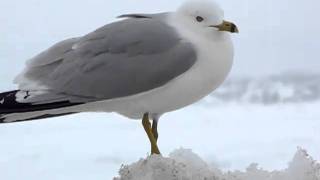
94, 146
183, 164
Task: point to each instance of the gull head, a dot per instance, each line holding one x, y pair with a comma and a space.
202, 16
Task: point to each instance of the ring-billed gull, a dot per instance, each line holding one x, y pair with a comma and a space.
141, 66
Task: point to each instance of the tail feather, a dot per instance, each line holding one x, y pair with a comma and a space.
13, 111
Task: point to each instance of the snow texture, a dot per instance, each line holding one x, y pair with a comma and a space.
183, 164
283, 88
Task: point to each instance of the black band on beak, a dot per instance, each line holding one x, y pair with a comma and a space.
234, 28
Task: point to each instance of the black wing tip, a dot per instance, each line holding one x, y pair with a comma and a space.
9, 104
27, 107
39, 117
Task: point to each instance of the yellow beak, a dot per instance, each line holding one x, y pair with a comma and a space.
227, 26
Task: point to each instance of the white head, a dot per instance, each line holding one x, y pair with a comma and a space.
205, 17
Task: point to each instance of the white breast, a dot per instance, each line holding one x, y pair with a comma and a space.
214, 61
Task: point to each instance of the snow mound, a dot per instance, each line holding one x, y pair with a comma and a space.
183, 164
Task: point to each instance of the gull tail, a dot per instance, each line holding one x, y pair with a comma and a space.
13, 111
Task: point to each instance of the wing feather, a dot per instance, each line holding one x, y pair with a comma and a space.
120, 59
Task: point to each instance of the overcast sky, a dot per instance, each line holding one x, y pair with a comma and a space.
275, 35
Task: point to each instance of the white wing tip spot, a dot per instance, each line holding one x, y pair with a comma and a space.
75, 46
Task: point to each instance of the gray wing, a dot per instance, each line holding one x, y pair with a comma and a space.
120, 59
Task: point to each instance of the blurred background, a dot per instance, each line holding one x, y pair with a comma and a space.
267, 108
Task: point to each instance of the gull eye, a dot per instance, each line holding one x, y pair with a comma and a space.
199, 18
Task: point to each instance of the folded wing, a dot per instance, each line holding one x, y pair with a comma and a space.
124, 58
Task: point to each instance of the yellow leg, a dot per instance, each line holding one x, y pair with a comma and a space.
155, 129
147, 127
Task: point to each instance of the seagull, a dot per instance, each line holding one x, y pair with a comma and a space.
140, 66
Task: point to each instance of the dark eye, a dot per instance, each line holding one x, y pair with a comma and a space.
199, 18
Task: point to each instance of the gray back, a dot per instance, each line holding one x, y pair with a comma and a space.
117, 60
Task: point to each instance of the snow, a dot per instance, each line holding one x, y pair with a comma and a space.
283, 88
183, 164
227, 130
93, 146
